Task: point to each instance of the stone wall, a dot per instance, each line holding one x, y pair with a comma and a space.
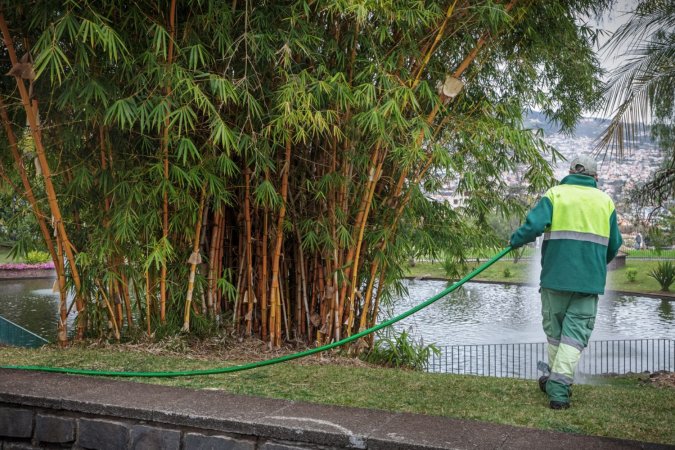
31, 428
10, 274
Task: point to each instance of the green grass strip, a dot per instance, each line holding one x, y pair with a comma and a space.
281, 358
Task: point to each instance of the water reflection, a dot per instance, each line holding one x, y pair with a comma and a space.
490, 314
666, 310
31, 304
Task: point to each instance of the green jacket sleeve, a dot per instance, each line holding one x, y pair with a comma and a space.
615, 239
537, 220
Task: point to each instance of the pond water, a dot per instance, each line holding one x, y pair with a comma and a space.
477, 313
32, 304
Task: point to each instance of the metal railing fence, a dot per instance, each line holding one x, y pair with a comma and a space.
520, 360
648, 253
15, 335
529, 252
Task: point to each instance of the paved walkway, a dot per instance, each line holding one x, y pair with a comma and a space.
305, 423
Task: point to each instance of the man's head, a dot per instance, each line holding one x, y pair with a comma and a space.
584, 165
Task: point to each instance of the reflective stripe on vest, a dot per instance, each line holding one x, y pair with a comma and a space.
577, 236
580, 213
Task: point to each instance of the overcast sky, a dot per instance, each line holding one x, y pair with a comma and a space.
611, 22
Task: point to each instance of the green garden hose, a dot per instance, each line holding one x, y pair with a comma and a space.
281, 358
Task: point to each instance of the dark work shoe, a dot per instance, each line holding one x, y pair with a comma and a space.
542, 383
559, 405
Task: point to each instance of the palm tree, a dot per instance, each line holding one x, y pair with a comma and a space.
642, 91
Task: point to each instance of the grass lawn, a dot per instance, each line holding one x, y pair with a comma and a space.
624, 408
520, 273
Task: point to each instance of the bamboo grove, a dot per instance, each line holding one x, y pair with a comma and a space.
269, 166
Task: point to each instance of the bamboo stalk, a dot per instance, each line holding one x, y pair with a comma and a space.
124, 287
110, 310
303, 284
212, 265
118, 310
359, 223
62, 327
334, 306
249, 251
240, 282
137, 295
263, 275
376, 306
148, 311
369, 291
104, 166
355, 270
165, 153
275, 320
194, 260
219, 268
283, 298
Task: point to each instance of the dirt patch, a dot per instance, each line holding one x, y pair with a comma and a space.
227, 349
662, 379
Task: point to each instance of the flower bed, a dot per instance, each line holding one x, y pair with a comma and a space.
24, 270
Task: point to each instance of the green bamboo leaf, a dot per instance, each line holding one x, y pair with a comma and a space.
122, 112
156, 118
160, 39
197, 56
52, 58
222, 136
93, 92
186, 149
310, 241
266, 196
67, 27
344, 237
185, 117
226, 166
161, 252
222, 88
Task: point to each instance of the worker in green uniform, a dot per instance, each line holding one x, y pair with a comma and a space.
581, 237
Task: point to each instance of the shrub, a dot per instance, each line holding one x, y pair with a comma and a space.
507, 273
453, 267
631, 275
449, 267
402, 351
37, 257
22, 266
664, 273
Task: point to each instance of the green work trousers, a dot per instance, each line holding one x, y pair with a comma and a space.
568, 319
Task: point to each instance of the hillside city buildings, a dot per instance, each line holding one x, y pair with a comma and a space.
617, 176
